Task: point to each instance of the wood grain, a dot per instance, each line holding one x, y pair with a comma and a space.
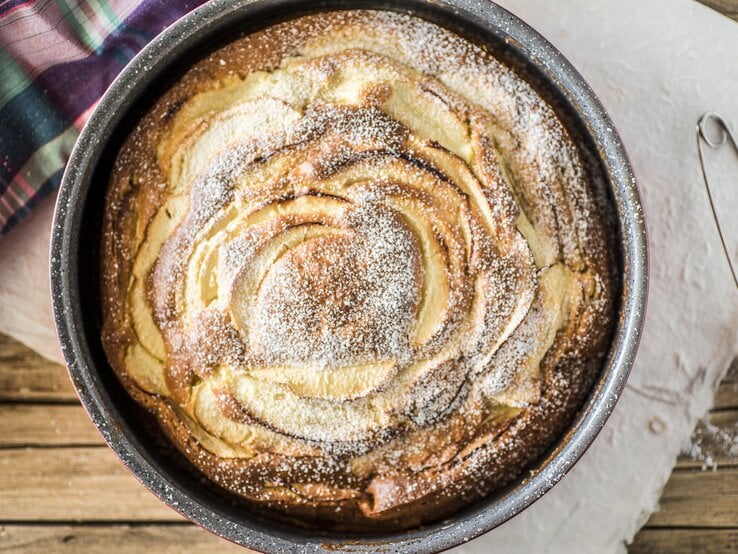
96, 539
723, 420
698, 509
699, 499
26, 376
55, 470
73, 484
685, 541
726, 396
46, 425
728, 8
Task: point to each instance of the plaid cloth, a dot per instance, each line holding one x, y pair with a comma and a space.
57, 57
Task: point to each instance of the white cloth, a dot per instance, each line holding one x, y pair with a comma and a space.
656, 65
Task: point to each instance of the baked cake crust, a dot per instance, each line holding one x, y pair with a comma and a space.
356, 268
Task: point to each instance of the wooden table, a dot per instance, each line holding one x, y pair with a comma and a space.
63, 490
699, 509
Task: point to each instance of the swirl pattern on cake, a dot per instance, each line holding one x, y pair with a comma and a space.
356, 267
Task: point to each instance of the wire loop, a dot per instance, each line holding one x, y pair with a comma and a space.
703, 136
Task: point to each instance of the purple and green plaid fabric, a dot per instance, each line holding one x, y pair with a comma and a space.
57, 57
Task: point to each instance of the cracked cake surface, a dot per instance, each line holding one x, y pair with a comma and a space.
356, 267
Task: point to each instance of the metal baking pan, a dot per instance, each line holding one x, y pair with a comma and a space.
130, 431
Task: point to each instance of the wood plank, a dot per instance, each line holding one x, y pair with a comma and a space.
727, 394
45, 425
699, 499
95, 539
701, 483
719, 438
728, 8
717, 443
726, 397
24, 375
73, 484
685, 541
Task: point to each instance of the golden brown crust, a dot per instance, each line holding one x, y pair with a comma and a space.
356, 268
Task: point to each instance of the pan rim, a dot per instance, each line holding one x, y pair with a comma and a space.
443, 535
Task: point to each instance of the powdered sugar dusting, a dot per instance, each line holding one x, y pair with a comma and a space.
353, 280
368, 294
